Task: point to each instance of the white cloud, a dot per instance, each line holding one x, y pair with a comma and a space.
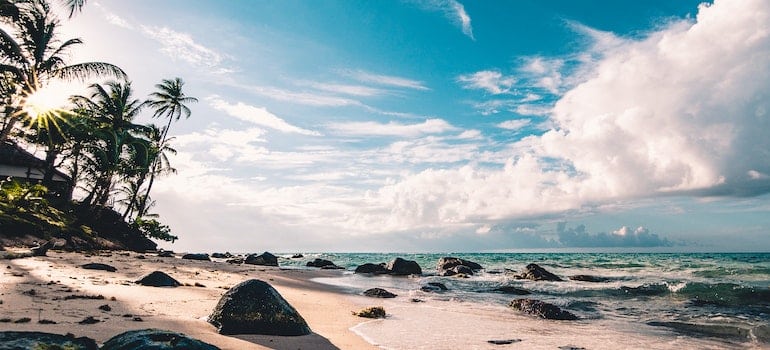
515, 124
257, 115
386, 80
355, 90
429, 126
453, 10
182, 46
492, 81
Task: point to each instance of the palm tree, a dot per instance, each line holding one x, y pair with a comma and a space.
158, 159
33, 56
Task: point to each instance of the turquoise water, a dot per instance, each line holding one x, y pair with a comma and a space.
724, 297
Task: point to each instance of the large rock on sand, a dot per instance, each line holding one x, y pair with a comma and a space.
197, 256
265, 259
379, 293
320, 263
155, 339
536, 273
449, 266
158, 279
541, 309
399, 266
39, 340
377, 269
255, 307
99, 266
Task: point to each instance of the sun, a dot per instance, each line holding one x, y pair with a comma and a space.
45, 101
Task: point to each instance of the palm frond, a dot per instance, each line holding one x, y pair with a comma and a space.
83, 71
74, 5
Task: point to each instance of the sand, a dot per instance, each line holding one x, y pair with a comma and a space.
42, 289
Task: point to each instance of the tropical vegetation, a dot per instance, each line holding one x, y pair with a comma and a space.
111, 160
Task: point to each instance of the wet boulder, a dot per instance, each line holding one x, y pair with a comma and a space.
449, 266
377, 269
158, 279
193, 256
399, 266
434, 287
11, 340
264, 259
255, 307
155, 339
541, 309
99, 266
511, 290
319, 263
536, 273
378, 293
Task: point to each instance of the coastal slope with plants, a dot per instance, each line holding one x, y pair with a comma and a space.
80, 173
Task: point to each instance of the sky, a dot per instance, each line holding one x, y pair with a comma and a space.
455, 125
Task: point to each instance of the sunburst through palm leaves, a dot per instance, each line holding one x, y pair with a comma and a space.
43, 108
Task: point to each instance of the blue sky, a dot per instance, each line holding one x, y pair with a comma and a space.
443, 125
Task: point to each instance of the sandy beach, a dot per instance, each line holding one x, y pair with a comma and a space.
55, 288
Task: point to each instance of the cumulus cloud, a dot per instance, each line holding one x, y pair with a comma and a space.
429, 126
491, 81
257, 115
622, 237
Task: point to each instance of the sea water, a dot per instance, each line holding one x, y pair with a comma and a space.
646, 301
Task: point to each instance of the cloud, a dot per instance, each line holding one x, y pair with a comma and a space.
429, 126
453, 10
515, 124
257, 115
346, 89
622, 237
386, 80
492, 81
178, 45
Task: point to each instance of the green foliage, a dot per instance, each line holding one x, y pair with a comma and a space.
21, 196
371, 312
154, 229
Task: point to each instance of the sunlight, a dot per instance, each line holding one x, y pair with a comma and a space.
46, 100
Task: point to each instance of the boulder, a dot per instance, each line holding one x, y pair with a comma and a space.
165, 254
11, 340
99, 266
536, 273
42, 249
204, 257
320, 263
541, 309
511, 290
237, 261
332, 267
225, 255
155, 339
379, 293
265, 259
297, 256
434, 287
255, 307
376, 269
449, 266
402, 267
158, 279
589, 278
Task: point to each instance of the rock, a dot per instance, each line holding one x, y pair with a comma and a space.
155, 339
376, 269
255, 307
434, 287
297, 256
204, 257
448, 266
98, 266
541, 309
235, 261
371, 312
11, 340
165, 254
158, 279
400, 266
536, 273
89, 320
588, 278
332, 267
511, 290
503, 341
320, 263
105, 307
225, 255
265, 259
42, 249
378, 293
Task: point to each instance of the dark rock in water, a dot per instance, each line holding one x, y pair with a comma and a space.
255, 307
511, 290
448, 266
536, 273
264, 259
39, 340
225, 255
320, 263
645, 290
155, 339
332, 267
379, 293
237, 261
721, 331
503, 341
376, 269
165, 254
158, 279
542, 309
589, 278
400, 266
297, 256
42, 249
98, 266
434, 287
204, 257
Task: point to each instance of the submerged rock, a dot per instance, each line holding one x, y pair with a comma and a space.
434, 287
194, 256
377, 269
449, 266
264, 259
11, 340
379, 293
721, 331
541, 309
158, 279
155, 339
255, 307
399, 266
589, 278
511, 290
99, 266
536, 273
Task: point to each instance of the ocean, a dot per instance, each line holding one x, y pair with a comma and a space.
645, 301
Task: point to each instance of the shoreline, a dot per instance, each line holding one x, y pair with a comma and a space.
55, 288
